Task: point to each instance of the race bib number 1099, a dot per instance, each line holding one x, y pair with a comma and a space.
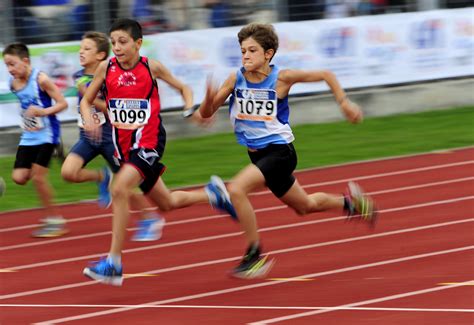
255, 104
129, 113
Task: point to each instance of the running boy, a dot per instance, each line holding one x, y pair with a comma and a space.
95, 48
41, 131
131, 93
259, 113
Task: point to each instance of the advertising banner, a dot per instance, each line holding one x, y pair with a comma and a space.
362, 51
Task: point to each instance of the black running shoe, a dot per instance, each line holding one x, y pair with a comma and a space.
253, 265
361, 205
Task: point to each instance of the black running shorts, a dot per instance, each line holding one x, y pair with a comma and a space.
277, 163
41, 155
147, 162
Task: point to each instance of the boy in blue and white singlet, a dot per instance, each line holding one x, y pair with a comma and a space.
40, 101
94, 49
259, 113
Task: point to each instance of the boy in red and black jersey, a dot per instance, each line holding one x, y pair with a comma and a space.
133, 104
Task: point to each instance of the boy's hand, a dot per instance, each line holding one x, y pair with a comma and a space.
352, 111
201, 121
33, 111
93, 130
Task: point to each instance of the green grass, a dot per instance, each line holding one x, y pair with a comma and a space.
193, 160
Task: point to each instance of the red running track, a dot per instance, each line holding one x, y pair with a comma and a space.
416, 267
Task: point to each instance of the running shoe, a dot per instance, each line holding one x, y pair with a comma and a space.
149, 229
104, 272
219, 197
360, 205
105, 198
253, 265
51, 227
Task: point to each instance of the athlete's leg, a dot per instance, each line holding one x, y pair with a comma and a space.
253, 264
167, 200
248, 179
72, 170
302, 203
39, 176
125, 181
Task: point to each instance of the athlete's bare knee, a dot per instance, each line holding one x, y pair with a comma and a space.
69, 175
120, 192
20, 180
235, 192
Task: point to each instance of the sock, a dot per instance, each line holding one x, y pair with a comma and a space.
115, 260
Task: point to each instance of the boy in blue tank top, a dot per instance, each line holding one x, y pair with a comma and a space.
259, 114
94, 49
41, 131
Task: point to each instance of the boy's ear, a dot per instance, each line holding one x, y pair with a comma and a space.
26, 60
139, 42
101, 56
269, 54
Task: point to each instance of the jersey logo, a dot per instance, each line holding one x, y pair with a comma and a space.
148, 155
127, 79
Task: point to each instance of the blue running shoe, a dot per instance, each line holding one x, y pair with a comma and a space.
218, 196
105, 198
104, 272
149, 229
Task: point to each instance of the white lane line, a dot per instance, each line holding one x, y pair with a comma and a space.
174, 223
228, 235
236, 258
93, 217
449, 310
257, 285
356, 304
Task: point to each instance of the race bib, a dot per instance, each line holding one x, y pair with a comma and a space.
34, 123
97, 117
255, 104
129, 113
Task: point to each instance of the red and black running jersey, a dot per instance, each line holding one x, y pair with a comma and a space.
134, 108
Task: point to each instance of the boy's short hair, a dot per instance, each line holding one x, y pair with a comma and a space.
132, 27
17, 49
263, 34
101, 41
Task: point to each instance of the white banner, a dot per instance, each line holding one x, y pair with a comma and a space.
362, 51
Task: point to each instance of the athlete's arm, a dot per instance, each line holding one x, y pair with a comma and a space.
216, 97
98, 102
91, 92
47, 85
288, 78
88, 100
159, 71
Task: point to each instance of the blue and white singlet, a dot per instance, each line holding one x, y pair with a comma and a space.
36, 130
258, 116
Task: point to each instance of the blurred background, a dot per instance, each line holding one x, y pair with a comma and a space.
41, 21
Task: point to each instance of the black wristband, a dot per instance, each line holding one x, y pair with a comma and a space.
187, 113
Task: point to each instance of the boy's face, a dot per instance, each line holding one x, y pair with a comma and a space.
124, 47
16, 66
253, 54
88, 54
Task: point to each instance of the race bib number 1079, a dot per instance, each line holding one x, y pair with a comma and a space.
129, 113
255, 104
